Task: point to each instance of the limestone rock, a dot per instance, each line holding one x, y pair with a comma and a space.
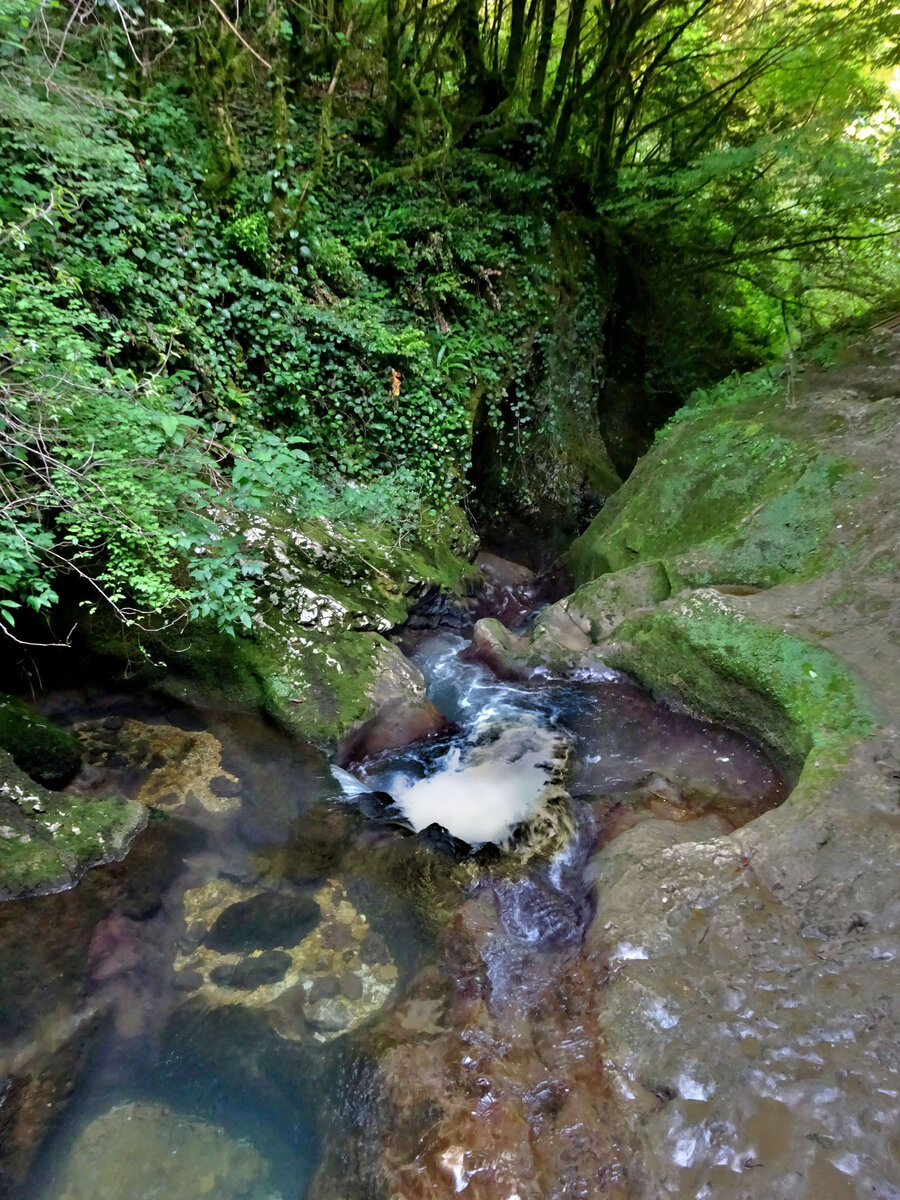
181, 766
308, 966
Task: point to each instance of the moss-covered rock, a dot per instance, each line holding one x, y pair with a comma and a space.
597, 607
321, 685
732, 960
734, 496
43, 749
791, 695
322, 575
314, 658
48, 839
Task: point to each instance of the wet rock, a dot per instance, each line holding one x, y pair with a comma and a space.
442, 840
438, 609
267, 967
175, 767
399, 722
143, 1150
380, 807
232, 953
598, 607
744, 1017
509, 591
264, 921
49, 839
224, 785
494, 646
36, 1083
45, 751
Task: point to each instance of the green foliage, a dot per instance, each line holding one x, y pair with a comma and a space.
235, 279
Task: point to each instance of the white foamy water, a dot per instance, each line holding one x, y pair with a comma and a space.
488, 779
482, 791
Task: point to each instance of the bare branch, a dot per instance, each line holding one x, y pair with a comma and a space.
240, 37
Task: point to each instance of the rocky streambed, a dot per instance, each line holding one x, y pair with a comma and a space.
290, 991
665, 965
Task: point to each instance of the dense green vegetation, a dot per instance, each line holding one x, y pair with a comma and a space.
294, 257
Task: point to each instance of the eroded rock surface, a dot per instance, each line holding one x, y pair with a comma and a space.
749, 1019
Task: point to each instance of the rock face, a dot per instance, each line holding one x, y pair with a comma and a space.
315, 658
750, 569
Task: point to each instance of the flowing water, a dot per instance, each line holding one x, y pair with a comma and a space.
235, 1005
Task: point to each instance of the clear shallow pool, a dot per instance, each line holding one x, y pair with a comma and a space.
212, 1016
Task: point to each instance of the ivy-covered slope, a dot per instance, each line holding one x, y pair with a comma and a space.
177, 345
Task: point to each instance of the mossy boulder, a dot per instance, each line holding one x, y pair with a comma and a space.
597, 607
323, 575
314, 658
43, 749
789, 694
740, 496
49, 839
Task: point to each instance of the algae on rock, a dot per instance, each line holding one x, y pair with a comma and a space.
314, 658
48, 839
791, 695
40, 747
729, 498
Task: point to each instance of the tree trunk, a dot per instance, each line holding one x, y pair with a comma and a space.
545, 44
566, 59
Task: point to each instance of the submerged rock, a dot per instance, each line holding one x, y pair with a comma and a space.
174, 767
305, 964
146, 1151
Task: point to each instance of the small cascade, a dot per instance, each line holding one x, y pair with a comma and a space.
501, 780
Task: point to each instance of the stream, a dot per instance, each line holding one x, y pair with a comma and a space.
285, 992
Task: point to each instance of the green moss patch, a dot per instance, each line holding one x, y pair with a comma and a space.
43, 749
724, 499
48, 839
795, 698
